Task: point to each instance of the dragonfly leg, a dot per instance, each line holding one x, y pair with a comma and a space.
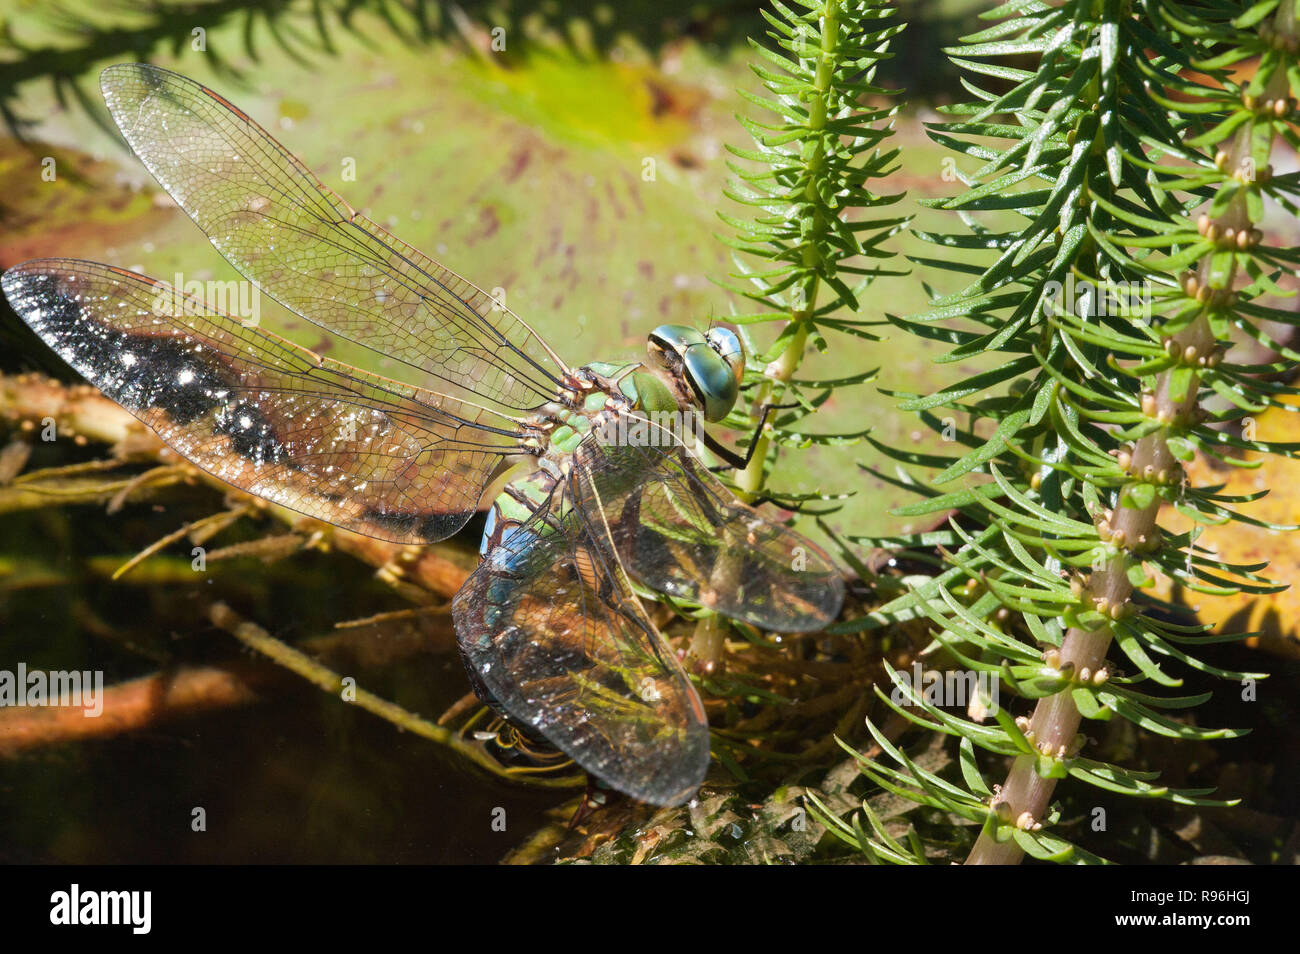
733, 460
593, 799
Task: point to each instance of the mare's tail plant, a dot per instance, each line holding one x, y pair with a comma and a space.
811, 242
808, 241
1115, 155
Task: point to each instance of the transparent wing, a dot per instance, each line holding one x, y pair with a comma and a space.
304, 246
550, 628
678, 530
314, 435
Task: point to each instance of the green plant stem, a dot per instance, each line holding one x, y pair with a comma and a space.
323, 677
1053, 729
779, 372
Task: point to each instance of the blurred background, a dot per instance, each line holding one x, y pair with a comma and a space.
508, 140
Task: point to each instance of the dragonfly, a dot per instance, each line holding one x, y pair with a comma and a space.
580, 504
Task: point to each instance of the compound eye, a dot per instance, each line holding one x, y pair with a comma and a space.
668, 343
712, 379
726, 343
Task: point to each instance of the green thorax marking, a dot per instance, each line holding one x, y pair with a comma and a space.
523, 496
635, 382
627, 386
691, 372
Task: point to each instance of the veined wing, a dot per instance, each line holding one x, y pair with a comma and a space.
304, 246
314, 435
550, 627
678, 530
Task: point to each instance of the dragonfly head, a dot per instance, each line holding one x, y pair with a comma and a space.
706, 367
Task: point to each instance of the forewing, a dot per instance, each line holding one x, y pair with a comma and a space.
314, 435
550, 628
678, 530
304, 246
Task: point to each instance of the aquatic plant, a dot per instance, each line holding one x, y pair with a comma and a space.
1116, 170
